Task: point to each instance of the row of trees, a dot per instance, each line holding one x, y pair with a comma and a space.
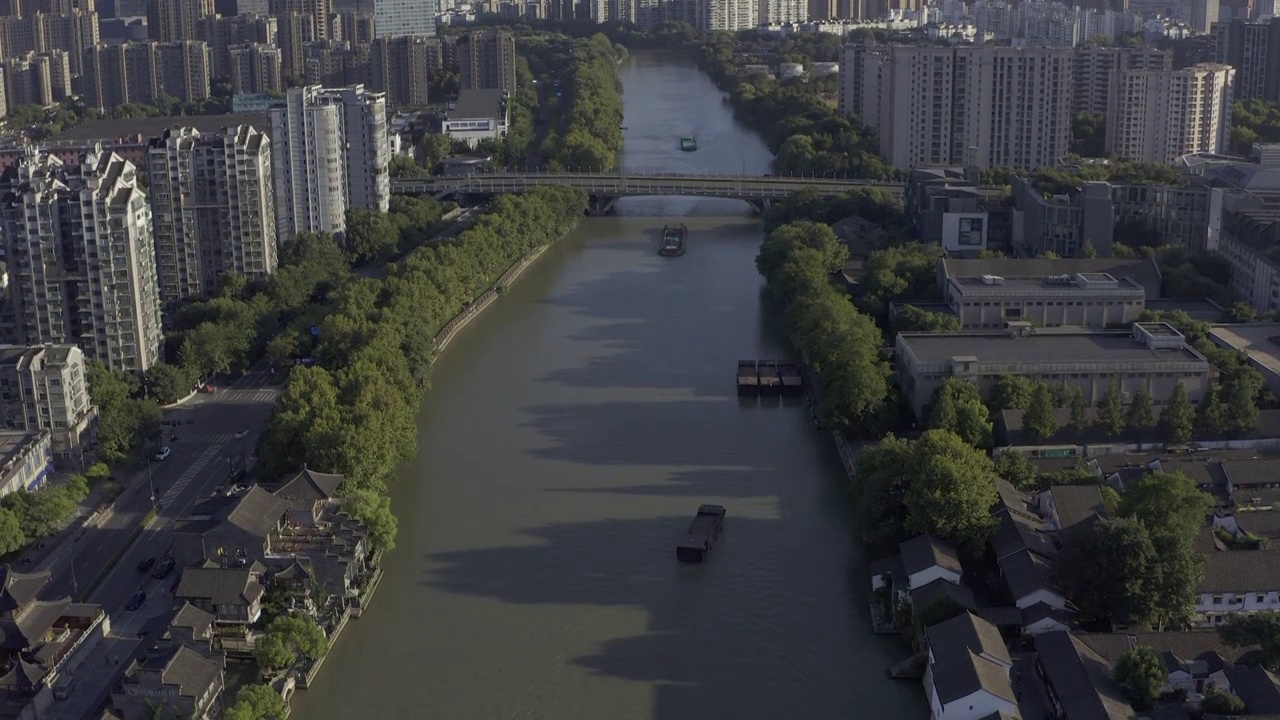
352, 410
583, 99
29, 515
839, 342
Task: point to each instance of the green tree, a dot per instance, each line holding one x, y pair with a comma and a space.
1178, 418
374, 511
1242, 385
782, 243
293, 637
1079, 410
1087, 250
1011, 392
1138, 420
1220, 702
958, 407
1210, 418
938, 484
371, 236
257, 702
1017, 469
1111, 415
169, 383
1110, 571
11, 537
1142, 674
1261, 629
1038, 420
434, 148
1167, 502
909, 318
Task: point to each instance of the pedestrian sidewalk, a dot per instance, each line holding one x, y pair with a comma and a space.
92, 681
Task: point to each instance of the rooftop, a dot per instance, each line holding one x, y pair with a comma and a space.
221, 586
925, 551
130, 129
477, 104
1261, 341
1042, 347
1241, 571
967, 631
1081, 678
1143, 271
179, 667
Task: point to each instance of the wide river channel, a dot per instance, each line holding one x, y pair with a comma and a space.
571, 432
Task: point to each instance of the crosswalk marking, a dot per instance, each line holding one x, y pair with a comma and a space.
249, 395
190, 474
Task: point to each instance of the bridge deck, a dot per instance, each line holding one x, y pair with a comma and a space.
624, 185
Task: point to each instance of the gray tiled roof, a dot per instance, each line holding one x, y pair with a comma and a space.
1026, 572
958, 676
1077, 505
221, 586
925, 551
1080, 678
25, 630
190, 616
180, 667
941, 589
1256, 687
309, 486
1241, 571
1186, 646
258, 512
966, 630
18, 589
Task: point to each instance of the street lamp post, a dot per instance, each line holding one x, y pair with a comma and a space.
152, 482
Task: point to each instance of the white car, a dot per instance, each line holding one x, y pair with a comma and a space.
164, 452
242, 434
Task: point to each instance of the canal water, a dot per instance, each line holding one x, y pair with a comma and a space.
571, 433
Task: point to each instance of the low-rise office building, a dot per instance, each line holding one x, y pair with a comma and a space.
1151, 354
26, 458
478, 115
985, 293
44, 388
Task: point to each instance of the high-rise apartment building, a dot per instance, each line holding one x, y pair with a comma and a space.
357, 28
224, 33
330, 152
984, 106
729, 15
255, 68
320, 10
406, 17
213, 209
72, 31
33, 79
82, 263
173, 20
781, 12
44, 386
296, 30
398, 67
142, 72
1094, 68
487, 60
333, 63
1253, 49
1156, 116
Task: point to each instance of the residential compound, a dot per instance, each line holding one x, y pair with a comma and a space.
996, 106
1150, 354
143, 72
329, 153
44, 388
213, 209
81, 258
487, 61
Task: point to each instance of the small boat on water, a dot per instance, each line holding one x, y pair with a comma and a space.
673, 240
688, 144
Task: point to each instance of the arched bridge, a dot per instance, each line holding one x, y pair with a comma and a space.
606, 188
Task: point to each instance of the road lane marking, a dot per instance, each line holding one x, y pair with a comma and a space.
190, 474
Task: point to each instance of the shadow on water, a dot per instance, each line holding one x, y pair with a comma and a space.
715, 647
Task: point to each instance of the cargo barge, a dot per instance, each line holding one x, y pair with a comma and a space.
748, 383
770, 381
673, 240
703, 533
688, 144
792, 379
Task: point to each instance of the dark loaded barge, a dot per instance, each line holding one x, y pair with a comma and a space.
767, 377
703, 533
748, 382
673, 240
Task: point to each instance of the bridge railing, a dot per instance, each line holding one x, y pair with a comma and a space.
645, 173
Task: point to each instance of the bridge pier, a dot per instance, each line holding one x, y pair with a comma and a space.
759, 205
601, 205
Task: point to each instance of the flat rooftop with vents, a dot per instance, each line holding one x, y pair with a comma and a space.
1092, 297
1154, 354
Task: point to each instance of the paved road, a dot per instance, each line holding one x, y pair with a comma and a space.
201, 460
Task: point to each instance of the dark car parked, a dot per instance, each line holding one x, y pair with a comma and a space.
146, 565
136, 600
163, 569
